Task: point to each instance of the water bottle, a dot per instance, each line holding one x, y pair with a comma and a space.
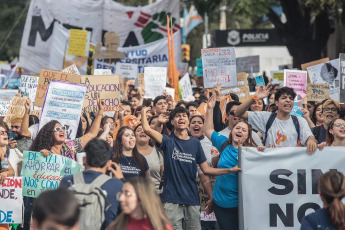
5, 164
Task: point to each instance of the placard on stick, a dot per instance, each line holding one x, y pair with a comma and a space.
297, 80
317, 91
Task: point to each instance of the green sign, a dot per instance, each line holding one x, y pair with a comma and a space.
41, 173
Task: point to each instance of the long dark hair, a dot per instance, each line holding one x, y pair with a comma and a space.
45, 137
118, 154
332, 190
313, 115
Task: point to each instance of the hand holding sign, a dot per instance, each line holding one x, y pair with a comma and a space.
216, 89
27, 105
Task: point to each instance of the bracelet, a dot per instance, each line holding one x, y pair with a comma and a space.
256, 99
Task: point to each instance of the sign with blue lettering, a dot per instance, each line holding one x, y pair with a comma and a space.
41, 173
64, 102
11, 200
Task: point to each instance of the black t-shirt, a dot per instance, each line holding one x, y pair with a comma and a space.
130, 169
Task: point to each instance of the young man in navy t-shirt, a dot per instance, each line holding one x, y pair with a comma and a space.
182, 154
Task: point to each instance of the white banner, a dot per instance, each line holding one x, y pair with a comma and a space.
154, 81
64, 102
134, 25
279, 186
11, 201
219, 66
186, 87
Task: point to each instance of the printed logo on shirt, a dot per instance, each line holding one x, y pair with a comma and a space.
185, 157
280, 138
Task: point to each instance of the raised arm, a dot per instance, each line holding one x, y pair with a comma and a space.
158, 137
208, 126
24, 130
261, 93
95, 126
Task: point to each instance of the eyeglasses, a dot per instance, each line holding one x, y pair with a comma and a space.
2, 133
342, 125
125, 193
57, 129
330, 109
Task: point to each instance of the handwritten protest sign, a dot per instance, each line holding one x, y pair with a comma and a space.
28, 87
297, 80
106, 88
4, 105
249, 64
72, 69
317, 91
41, 173
316, 62
154, 80
203, 197
79, 42
219, 66
342, 78
11, 201
277, 77
186, 87
127, 70
329, 73
101, 72
47, 76
17, 107
7, 94
241, 90
63, 103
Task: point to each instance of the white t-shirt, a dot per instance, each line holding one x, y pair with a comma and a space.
15, 157
282, 132
226, 132
33, 130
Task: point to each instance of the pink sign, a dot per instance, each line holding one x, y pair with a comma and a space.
297, 80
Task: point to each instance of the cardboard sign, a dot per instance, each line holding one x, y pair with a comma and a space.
72, 69
4, 105
219, 66
328, 72
63, 103
41, 173
127, 70
11, 201
342, 78
7, 94
106, 88
141, 81
186, 87
101, 72
203, 198
47, 76
28, 87
79, 42
296, 80
242, 89
249, 64
17, 107
277, 77
37, 113
154, 81
317, 92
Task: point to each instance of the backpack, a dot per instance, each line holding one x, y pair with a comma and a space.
270, 122
92, 201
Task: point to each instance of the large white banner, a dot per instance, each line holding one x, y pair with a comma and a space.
135, 26
64, 102
11, 201
279, 186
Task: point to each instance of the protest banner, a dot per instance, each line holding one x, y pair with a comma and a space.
203, 198
277, 77
316, 62
4, 105
28, 87
186, 87
47, 76
127, 70
17, 107
79, 42
41, 173
317, 91
328, 72
11, 201
154, 80
105, 87
63, 102
286, 189
342, 78
296, 80
101, 72
249, 64
8, 94
219, 66
72, 69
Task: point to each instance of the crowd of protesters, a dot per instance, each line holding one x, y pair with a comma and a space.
146, 158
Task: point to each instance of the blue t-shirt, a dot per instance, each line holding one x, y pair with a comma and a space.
130, 169
225, 190
111, 187
317, 220
181, 158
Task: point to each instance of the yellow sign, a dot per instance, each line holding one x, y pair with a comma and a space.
78, 42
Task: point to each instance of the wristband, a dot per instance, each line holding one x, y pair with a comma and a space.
256, 99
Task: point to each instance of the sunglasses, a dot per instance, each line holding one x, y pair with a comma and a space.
57, 129
2, 133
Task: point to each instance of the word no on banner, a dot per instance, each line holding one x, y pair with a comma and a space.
219, 66
41, 173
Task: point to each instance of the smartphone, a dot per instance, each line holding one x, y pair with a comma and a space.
260, 80
11, 135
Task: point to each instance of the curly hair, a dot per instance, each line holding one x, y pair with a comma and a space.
45, 137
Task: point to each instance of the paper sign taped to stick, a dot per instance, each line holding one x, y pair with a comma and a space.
79, 42
127, 70
105, 87
42, 173
17, 107
47, 76
186, 86
219, 66
317, 91
296, 80
64, 103
154, 80
11, 201
4, 105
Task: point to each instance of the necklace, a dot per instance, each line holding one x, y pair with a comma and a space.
129, 162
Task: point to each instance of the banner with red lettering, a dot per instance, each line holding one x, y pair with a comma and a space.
11, 201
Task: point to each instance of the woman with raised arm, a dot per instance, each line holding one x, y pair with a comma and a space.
225, 190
